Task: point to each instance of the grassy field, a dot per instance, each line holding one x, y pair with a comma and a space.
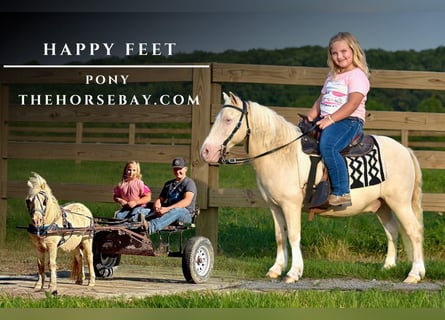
332, 248
245, 299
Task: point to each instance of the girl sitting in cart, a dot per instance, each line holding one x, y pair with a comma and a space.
132, 193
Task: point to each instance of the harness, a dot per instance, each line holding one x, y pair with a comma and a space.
244, 114
44, 230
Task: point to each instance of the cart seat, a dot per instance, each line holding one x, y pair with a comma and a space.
132, 223
178, 225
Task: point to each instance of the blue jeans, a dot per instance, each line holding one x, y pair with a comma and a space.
132, 214
176, 214
334, 139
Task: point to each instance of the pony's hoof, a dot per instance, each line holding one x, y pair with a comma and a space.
412, 279
288, 279
79, 282
388, 266
91, 284
51, 293
272, 274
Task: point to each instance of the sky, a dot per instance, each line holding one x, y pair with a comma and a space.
215, 26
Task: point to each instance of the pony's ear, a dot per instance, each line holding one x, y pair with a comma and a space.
37, 179
234, 99
32, 180
225, 97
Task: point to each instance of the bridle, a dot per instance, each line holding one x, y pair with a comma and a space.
42, 204
42, 210
244, 114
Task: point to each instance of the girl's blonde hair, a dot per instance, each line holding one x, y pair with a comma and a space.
138, 170
359, 58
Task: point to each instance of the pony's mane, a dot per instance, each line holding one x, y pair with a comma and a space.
37, 184
280, 129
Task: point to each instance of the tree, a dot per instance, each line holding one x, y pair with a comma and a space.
431, 104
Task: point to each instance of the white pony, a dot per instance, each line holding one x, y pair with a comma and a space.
282, 170
68, 227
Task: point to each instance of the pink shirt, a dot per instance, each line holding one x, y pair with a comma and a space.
131, 190
335, 92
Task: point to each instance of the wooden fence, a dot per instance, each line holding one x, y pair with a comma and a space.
35, 132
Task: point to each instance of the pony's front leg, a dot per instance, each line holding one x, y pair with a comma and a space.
41, 268
293, 222
88, 248
52, 255
281, 240
296, 270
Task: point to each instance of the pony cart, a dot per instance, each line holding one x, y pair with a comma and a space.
73, 228
114, 237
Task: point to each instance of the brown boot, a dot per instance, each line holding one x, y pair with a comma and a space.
144, 222
344, 200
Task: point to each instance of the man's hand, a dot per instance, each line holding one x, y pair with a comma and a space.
160, 211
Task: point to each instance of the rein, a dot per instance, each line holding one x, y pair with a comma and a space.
244, 113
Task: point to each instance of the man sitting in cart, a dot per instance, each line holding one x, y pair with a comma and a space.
176, 202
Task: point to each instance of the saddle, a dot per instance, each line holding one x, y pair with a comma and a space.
316, 196
362, 144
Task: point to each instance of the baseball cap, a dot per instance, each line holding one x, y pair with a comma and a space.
179, 163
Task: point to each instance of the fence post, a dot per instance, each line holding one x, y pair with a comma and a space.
206, 224
79, 137
209, 225
131, 133
404, 137
4, 108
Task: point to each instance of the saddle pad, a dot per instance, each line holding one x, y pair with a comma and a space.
366, 170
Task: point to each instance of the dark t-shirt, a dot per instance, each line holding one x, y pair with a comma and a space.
174, 191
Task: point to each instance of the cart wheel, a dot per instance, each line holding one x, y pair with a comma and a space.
104, 265
197, 260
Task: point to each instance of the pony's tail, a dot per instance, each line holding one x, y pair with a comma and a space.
416, 204
416, 200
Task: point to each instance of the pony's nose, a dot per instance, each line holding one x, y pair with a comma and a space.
204, 152
36, 221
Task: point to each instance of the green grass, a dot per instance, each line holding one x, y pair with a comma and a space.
341, 248
247, 299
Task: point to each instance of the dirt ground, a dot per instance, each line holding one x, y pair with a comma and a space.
130, 281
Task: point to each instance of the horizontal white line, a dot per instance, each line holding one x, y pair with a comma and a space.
90, 66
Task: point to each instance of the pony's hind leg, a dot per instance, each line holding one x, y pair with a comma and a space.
77, 271
413, 232
391, 227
